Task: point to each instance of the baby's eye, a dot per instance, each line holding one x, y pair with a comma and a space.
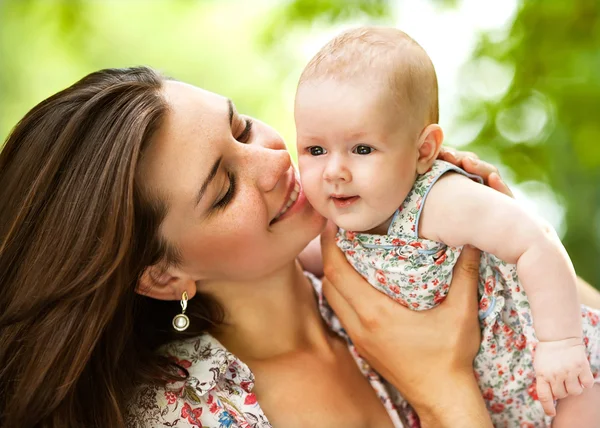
362, 150
316, 150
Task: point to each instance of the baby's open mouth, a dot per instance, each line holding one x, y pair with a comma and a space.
344, 201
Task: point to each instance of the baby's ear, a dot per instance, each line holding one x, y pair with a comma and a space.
430, 142
165, 284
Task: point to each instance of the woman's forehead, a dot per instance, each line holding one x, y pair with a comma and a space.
188, 139
190, 105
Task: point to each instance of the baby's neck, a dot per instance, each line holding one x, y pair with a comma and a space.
382, 229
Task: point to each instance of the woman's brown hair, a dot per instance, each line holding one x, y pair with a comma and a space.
76, 233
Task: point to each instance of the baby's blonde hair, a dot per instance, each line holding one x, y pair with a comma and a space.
363, 52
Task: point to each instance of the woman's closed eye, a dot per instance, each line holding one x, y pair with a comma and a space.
224, 200
244, 136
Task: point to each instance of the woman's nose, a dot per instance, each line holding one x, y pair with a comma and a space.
335, 171
268, 160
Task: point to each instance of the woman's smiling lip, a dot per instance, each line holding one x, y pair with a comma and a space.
292, 198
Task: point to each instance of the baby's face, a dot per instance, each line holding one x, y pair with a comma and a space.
357, 161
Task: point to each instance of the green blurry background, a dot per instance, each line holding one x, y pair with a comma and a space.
519, 80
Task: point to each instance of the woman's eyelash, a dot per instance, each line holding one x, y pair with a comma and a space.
245, 135
224, 201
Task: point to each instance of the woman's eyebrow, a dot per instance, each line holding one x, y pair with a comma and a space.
209, 179
231, 110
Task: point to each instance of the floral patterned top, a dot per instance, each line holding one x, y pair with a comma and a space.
417, 273
218, 391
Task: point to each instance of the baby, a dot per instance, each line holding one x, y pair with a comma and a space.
366, 114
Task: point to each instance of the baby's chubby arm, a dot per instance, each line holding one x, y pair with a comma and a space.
459, 211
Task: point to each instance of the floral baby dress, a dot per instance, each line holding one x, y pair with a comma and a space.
417, 273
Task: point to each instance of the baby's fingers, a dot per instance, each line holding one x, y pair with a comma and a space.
545, 396
573, 386
586, 378
558, 388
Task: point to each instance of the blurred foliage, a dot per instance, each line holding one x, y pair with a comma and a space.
309, 12
533, 89
545, 127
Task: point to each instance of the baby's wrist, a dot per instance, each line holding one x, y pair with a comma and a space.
568, 341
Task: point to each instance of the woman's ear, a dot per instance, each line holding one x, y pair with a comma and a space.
430, 143
166, 284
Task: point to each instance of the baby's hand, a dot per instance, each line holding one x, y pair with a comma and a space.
561, 368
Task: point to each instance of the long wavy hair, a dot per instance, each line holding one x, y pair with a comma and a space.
76, 232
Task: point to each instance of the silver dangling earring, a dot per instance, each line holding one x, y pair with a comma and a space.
181, 322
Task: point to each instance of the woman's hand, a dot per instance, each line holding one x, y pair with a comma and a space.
471, 163
427, 355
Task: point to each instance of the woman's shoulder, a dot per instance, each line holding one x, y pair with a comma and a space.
218, 387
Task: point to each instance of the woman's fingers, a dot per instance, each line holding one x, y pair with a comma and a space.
496, 183
478, 167
471, 163
341, 307
465, 278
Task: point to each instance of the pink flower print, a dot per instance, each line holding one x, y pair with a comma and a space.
416, 244
488, 394
490, 283
424, 286
380, 276
441, 259
497, 407
593, 318
350, 235
438, 298
419, 202
213, 408
351, 252
532, 391
526, 425
171, 397
402, 302
394, 289
192, 415
484, 304
183, 363
246, 386
398, 242
586, 341
435, 281
507, 330
415, 304
520, 342
250, 399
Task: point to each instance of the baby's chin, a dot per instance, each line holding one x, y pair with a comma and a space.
361, 226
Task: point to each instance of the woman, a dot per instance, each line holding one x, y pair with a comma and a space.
127, 194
